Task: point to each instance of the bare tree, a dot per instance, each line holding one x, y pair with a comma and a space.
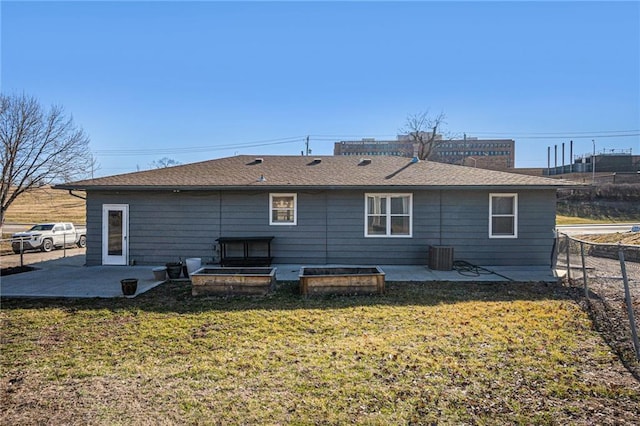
164, 162
424, 130
38, 148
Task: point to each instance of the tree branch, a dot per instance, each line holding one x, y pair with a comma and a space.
38, 147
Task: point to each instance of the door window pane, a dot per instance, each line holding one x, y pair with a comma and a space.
115, 233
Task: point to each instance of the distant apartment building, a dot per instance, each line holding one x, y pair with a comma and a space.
370, 146
496, 154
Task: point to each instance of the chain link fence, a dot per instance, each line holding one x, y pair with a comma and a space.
608, 277
22, 247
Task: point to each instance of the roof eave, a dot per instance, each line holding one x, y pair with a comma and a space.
307, 187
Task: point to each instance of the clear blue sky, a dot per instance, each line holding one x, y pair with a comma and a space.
194, 81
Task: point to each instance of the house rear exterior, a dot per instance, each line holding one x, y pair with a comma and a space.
321, 210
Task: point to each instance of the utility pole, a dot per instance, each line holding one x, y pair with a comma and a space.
307, 151
593, 162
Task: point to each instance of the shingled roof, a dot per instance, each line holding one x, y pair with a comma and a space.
251, 172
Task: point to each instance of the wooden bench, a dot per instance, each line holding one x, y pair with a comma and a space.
251, 253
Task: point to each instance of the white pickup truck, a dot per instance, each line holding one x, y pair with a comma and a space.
47, 236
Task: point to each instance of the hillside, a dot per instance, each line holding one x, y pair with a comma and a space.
608, 202
47, 205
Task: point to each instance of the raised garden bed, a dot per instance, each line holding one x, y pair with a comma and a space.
217, 281
341, 280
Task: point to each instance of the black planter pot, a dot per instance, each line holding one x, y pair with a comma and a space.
129, 286
174, 270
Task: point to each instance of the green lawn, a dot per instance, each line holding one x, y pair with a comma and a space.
456, 353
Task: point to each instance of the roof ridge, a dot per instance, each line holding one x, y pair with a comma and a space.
242, 171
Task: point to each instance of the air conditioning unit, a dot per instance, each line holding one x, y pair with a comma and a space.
440, 258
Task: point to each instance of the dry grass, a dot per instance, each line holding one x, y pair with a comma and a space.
47, 205
424, 353
626, 238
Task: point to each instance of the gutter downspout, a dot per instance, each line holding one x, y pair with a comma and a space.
76, 195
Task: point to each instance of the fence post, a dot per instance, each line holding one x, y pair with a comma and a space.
22, 252
627, 296
554, 251
584, 271
568, 258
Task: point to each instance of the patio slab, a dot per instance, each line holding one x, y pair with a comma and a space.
68, 277
423, 273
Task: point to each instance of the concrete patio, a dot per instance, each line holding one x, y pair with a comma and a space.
68, 277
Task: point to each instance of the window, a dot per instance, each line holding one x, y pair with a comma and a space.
282, 209
388, 215
503, 215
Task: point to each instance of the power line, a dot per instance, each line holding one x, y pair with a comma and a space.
556, 133
195, 149
336, 138
574, 136
519, 135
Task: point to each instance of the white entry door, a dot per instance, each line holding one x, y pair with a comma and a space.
115, 233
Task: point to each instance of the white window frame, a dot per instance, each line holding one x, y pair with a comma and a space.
295, 209
514, 215
388, 215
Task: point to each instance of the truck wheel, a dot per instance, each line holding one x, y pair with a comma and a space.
47, 245
82, 242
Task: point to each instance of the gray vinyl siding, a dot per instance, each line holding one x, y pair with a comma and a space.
163, 226
347, 243
330, 227
465, 226
94, 229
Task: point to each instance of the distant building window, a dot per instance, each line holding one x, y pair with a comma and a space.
503, 215
283, 209
388, 215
